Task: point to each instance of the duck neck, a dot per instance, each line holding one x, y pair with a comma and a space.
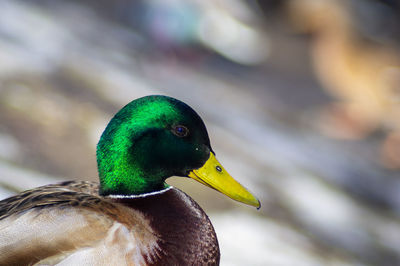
121, 176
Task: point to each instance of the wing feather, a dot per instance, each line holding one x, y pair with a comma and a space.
70, 223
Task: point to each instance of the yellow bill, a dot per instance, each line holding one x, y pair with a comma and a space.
212, 174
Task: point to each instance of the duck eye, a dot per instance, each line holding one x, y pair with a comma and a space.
180, 131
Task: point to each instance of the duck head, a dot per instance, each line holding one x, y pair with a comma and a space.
156, 137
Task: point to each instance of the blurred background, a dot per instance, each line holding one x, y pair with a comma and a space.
301, 99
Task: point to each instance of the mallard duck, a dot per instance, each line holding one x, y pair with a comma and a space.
133, 217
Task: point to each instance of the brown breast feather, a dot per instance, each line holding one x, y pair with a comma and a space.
165, 229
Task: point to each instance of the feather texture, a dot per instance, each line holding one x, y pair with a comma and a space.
87, 229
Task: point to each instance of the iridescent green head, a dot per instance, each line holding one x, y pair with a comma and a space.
153, 138
147, 141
